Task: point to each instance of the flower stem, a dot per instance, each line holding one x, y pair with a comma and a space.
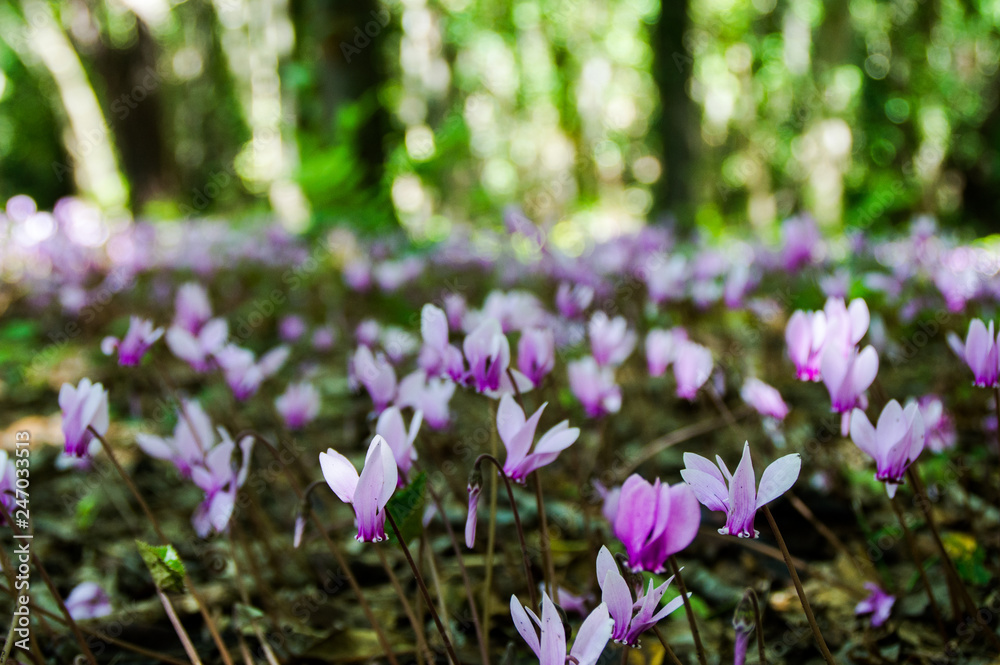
303, 496
532, 594
189, 649
820, 642
918, 560
483, 652
52, 590
687, 609
666, 647
625, 650
407, 608
491, 534
155, 523
971, 608
543, 525
761, 651
423, 589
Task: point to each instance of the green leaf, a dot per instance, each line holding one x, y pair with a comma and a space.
407, 508
164, 565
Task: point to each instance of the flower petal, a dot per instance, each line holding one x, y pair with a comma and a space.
778, 478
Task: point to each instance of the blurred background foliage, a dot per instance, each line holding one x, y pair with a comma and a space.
590, 116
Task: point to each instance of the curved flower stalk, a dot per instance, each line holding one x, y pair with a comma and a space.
298, 405
427, 395
368, 493
765, 399
692, 368
550, 646
631, 618
376, 374
220, 478
736, 493
894, 443
662, 347
595, 387
390, 427
138, 339
438, 357
654, 521
518, 433
84, 405
536, 354
980, 352
611, 342
193, 436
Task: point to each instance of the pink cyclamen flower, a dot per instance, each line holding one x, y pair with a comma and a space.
88, 601
474, 488
220, 478
455, 308
573, 300
594, 386
662, 347
518, 433
878, 604
298, 405
894, 443
376, 374
765, 399
8, 482
193, 437
137, 340
611, 342
391, 427
980, 352
84, 405
692, 367
291, 328
736, 494
845, 325
368, 493
323, 338
631, 618
437, 356
550, 648
938, 423
368, 332
848, 377
655, 521
198, 349
804, 335
536, 354
488, 353
191, 308
430, 396
242, 371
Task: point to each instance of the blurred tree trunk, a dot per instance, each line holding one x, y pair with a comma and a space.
672, 69
133, 104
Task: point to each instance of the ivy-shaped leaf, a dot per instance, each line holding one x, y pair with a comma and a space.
164, 565
407, 508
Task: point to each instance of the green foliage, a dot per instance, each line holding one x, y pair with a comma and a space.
407, 508
164, 565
